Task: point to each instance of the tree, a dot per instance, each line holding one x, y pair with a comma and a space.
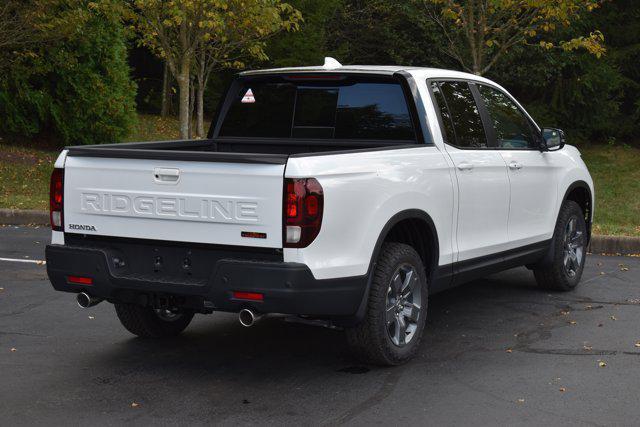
480, 32
72, 81
310, 44
15, 31
202, 34
241, 35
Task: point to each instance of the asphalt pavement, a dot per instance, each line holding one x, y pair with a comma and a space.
497, 351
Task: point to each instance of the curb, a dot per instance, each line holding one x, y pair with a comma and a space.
612, 245
23, 217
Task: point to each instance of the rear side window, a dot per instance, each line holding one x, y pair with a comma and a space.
340, 108
456, 102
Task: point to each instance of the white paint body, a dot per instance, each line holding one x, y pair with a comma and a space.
480, 211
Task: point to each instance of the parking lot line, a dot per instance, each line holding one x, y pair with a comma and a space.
30, 261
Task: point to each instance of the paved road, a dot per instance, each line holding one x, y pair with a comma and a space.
77, 366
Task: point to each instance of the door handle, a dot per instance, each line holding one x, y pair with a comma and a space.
465, 166
515, 165
166, 176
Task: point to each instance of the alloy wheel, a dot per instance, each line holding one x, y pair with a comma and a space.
573, 247
403, 305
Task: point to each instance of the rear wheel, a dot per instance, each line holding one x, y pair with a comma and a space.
391, 331
152, 323
569, 251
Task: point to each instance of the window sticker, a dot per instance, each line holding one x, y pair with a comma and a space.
248, 97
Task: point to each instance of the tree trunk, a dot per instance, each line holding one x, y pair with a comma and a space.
202, 83
183, 87
192, 99
200, 107
164, 110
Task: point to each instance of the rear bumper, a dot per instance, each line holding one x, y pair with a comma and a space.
288, 288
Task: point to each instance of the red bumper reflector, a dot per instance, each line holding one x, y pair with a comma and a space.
253, 234
251, 296
80, 280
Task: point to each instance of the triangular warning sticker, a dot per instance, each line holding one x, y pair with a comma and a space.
248, 97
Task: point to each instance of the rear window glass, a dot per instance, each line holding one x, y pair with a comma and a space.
348, 108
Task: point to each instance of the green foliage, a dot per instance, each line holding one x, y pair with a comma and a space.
480, 32
174, 29
195, 37
358, 32
74, 83
68, 75
309, 45
594, 99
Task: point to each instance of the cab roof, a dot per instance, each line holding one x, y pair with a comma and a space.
333, 66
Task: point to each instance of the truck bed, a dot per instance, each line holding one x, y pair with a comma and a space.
233, 150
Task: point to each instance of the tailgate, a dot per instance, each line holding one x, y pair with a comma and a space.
182, 201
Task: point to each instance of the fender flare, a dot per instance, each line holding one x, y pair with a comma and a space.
395, 219
585, 186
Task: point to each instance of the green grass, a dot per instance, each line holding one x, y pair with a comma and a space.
24, 177
616, 174
25, 171
154, 128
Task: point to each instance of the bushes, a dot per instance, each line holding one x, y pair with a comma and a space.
73, 83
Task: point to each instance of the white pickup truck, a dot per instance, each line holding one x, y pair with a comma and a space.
341, 194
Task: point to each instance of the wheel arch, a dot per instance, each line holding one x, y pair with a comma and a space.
580, 192
396, 228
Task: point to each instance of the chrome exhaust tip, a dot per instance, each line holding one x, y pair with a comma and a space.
85, 300
248, 318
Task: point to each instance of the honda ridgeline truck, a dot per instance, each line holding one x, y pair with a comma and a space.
340, 194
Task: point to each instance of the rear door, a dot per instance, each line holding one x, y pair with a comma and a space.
184, 201
483, 184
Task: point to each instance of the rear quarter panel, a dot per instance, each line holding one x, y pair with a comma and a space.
362, 191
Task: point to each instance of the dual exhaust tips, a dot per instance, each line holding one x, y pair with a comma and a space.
246, 317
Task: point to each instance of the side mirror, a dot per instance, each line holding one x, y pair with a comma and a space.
553, 139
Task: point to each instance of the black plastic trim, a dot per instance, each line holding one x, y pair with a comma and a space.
435, 253
475, 268
288, 288
489, 131
142, 152
89, 240
416, 108
584, 185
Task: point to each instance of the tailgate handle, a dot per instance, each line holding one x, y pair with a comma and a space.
166, 176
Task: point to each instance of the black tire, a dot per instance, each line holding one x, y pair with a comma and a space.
371, 340
148, 323
555, 275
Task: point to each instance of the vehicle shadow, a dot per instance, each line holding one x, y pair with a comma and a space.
490, 308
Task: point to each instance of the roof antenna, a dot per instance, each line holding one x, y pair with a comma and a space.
331, 63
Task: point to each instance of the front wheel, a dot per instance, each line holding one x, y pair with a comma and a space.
391, 330
569, 251
148, 322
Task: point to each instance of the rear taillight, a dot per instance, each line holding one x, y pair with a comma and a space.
56, 200
302, 211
